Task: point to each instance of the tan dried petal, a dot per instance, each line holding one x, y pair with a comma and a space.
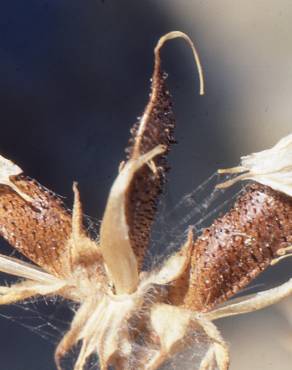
176, 265
271, 167
115, 243
179, 287
161, 317
83, 251
8, 169
106, 331
16, 267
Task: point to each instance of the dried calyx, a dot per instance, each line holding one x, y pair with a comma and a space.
129, 318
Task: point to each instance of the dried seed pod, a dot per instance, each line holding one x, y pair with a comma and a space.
247, 239
133, 198
238, 246
155, 127
39, 229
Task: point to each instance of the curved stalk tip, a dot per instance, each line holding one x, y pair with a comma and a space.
178, 34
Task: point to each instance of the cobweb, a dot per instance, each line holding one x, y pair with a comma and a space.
196, 210
42, 316
50, 318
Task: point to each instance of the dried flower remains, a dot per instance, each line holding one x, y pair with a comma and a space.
127, 317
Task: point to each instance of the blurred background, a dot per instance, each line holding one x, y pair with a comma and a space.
74, 77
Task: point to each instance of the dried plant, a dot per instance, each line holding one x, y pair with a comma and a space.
130, 318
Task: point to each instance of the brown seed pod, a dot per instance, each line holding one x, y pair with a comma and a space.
155, 127
131, 205
238, 246
40, 228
